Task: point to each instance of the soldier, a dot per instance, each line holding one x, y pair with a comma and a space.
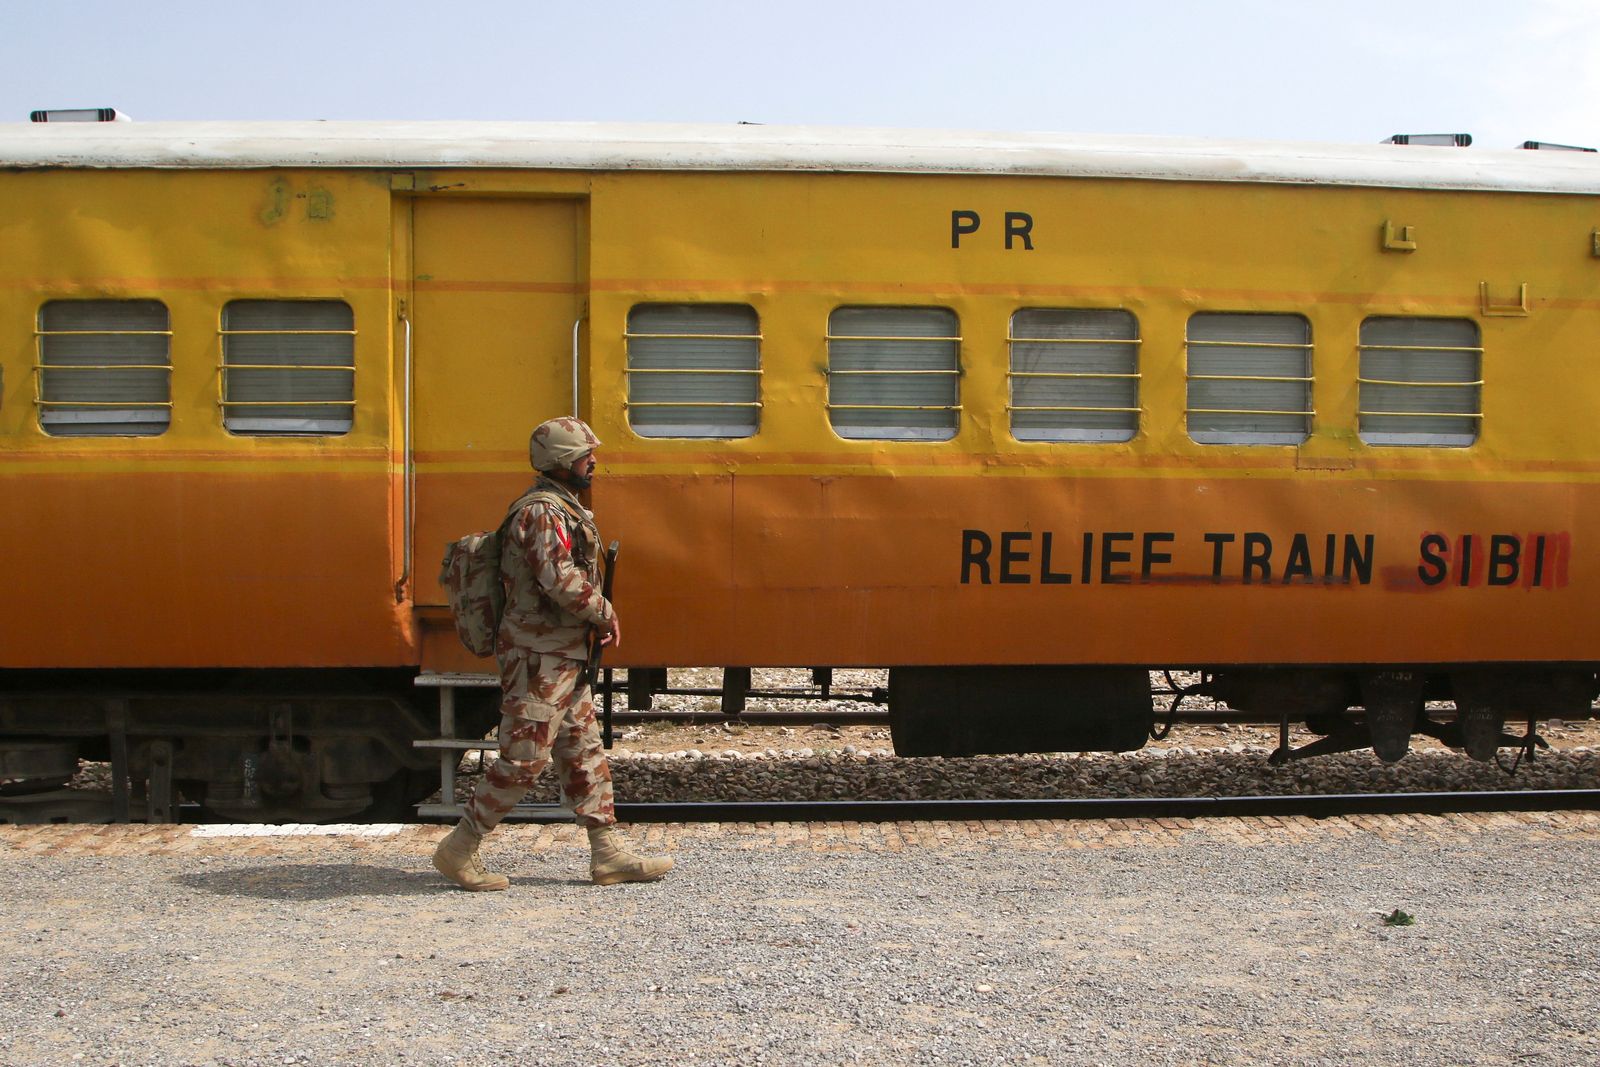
550, 561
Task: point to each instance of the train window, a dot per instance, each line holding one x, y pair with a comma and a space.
105, 368
1249, 378
288, 367
1074, 374
694, 370
894, 373
1420, 382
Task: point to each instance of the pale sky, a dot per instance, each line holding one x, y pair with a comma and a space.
1330, 70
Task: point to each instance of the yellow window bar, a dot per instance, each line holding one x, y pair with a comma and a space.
883, 337
103, 366
630, 336
693, 370
287, 333
288, 367
1245, 411
1042, 407
875, 370
101, 333
104, 403
1249, 344
1419, 348
1421, 385
1421, 414
895, 407
691, 403
1245, 378
1132, 341
1072, 374
288, 403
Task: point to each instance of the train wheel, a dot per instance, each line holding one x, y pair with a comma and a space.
1481, 727
1393, 700
1482, 699
29, 766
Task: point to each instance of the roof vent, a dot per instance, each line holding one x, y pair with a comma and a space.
1551, 146
79, 114
1448, 140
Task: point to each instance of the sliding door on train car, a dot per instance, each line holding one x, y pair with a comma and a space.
495, 294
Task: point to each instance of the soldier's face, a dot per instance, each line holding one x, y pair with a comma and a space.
583, 471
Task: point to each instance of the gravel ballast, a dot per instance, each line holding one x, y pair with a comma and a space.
990, 946
806, 775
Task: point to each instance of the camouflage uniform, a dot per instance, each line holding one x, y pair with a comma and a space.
550, 558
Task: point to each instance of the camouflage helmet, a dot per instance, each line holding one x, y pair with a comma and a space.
559, 443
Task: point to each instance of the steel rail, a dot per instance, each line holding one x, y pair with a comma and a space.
89, 806
1317, 806
1195, 717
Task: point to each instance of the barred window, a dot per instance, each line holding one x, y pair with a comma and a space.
288, 367
1074, 374
1249, 378
694, 370
893, 373
105, 368
1421, 382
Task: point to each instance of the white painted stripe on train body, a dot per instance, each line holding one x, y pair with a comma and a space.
669, 147
386, 829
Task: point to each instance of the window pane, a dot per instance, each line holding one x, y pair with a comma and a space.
1249, 378
675, 352
893, 373
288, 367
1071, 375
1426, 372
105, 368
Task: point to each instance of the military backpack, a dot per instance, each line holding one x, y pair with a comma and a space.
472, 581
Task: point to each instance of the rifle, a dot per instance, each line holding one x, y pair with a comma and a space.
591, 668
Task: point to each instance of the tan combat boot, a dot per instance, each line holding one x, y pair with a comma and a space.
457, 859
610, 861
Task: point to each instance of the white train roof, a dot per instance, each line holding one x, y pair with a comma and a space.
671, 147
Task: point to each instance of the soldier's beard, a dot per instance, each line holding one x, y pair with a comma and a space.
569, 477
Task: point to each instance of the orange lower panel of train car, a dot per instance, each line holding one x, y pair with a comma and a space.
185, 569
172, 570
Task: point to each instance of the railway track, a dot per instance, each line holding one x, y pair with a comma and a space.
1309, 805
833, 786
26, 810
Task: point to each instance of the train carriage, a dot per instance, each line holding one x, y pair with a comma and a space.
1019, 417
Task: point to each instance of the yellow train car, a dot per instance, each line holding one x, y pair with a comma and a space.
1017, 416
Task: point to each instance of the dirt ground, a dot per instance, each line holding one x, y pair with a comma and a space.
1120, 942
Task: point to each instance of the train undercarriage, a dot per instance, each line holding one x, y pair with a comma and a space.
326, 746
246, 746
1101, 709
